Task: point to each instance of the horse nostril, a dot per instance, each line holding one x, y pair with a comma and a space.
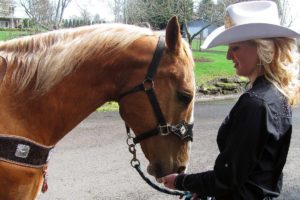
181, 169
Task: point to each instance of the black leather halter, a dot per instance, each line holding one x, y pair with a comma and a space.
24, 152
182, 130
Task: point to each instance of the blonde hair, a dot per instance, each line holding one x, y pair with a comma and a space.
280, 60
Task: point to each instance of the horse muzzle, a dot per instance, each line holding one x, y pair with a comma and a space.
158, 170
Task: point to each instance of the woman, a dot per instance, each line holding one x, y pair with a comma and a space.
254, 139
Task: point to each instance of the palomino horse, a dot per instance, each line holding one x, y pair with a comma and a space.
50, 82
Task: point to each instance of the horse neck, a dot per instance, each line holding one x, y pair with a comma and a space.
49, 117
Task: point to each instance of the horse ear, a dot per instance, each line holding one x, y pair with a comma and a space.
3, 67
173, 35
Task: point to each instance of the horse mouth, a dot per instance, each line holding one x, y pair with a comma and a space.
158, 173
159, 180
181, 169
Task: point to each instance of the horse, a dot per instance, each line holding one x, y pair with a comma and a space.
50, 82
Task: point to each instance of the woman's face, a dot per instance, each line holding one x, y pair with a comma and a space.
245, 59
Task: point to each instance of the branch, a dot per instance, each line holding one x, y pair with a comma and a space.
202, 29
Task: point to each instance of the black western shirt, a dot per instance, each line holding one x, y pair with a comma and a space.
253, 141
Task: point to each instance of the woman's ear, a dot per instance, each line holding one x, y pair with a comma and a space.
173, 35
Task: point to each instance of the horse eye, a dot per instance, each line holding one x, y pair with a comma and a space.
184, 98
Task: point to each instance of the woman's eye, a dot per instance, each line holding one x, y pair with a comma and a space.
234, 48
184, 98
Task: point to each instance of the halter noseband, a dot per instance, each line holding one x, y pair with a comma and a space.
182, 130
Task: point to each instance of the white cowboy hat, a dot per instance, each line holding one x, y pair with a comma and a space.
249, 20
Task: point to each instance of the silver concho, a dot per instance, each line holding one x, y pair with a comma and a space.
22, 151
182, 130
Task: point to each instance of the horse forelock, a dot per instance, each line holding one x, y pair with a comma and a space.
49, 57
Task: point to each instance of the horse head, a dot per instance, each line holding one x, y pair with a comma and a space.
163, 103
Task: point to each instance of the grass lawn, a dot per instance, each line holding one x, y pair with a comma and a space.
7, 35
109, 106
211, 64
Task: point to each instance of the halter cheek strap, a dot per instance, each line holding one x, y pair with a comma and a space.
183, 130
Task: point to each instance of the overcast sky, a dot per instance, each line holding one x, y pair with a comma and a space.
100, 7
295, 10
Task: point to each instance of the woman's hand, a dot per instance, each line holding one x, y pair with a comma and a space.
195, 196
169, 181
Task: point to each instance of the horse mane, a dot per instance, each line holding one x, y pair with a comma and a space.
45, 59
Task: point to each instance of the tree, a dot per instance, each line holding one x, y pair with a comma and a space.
85, 17
45, 13
157, 12
97, 19
211, 13
65, 23
284, 8
61, 5
70, 23
118, 7
135, 12
37, 11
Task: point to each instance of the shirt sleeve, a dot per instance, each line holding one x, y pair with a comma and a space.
244, 143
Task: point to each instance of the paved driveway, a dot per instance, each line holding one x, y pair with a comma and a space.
92, 162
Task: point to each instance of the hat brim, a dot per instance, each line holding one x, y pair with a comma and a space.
222, 36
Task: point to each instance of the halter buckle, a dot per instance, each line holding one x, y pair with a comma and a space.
164, 130
148, 84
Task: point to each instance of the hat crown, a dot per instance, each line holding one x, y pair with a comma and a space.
249, 20
253, 12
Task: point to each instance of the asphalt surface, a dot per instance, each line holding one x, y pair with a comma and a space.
92, 162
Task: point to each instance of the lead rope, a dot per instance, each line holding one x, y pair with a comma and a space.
45, 176
135, 163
